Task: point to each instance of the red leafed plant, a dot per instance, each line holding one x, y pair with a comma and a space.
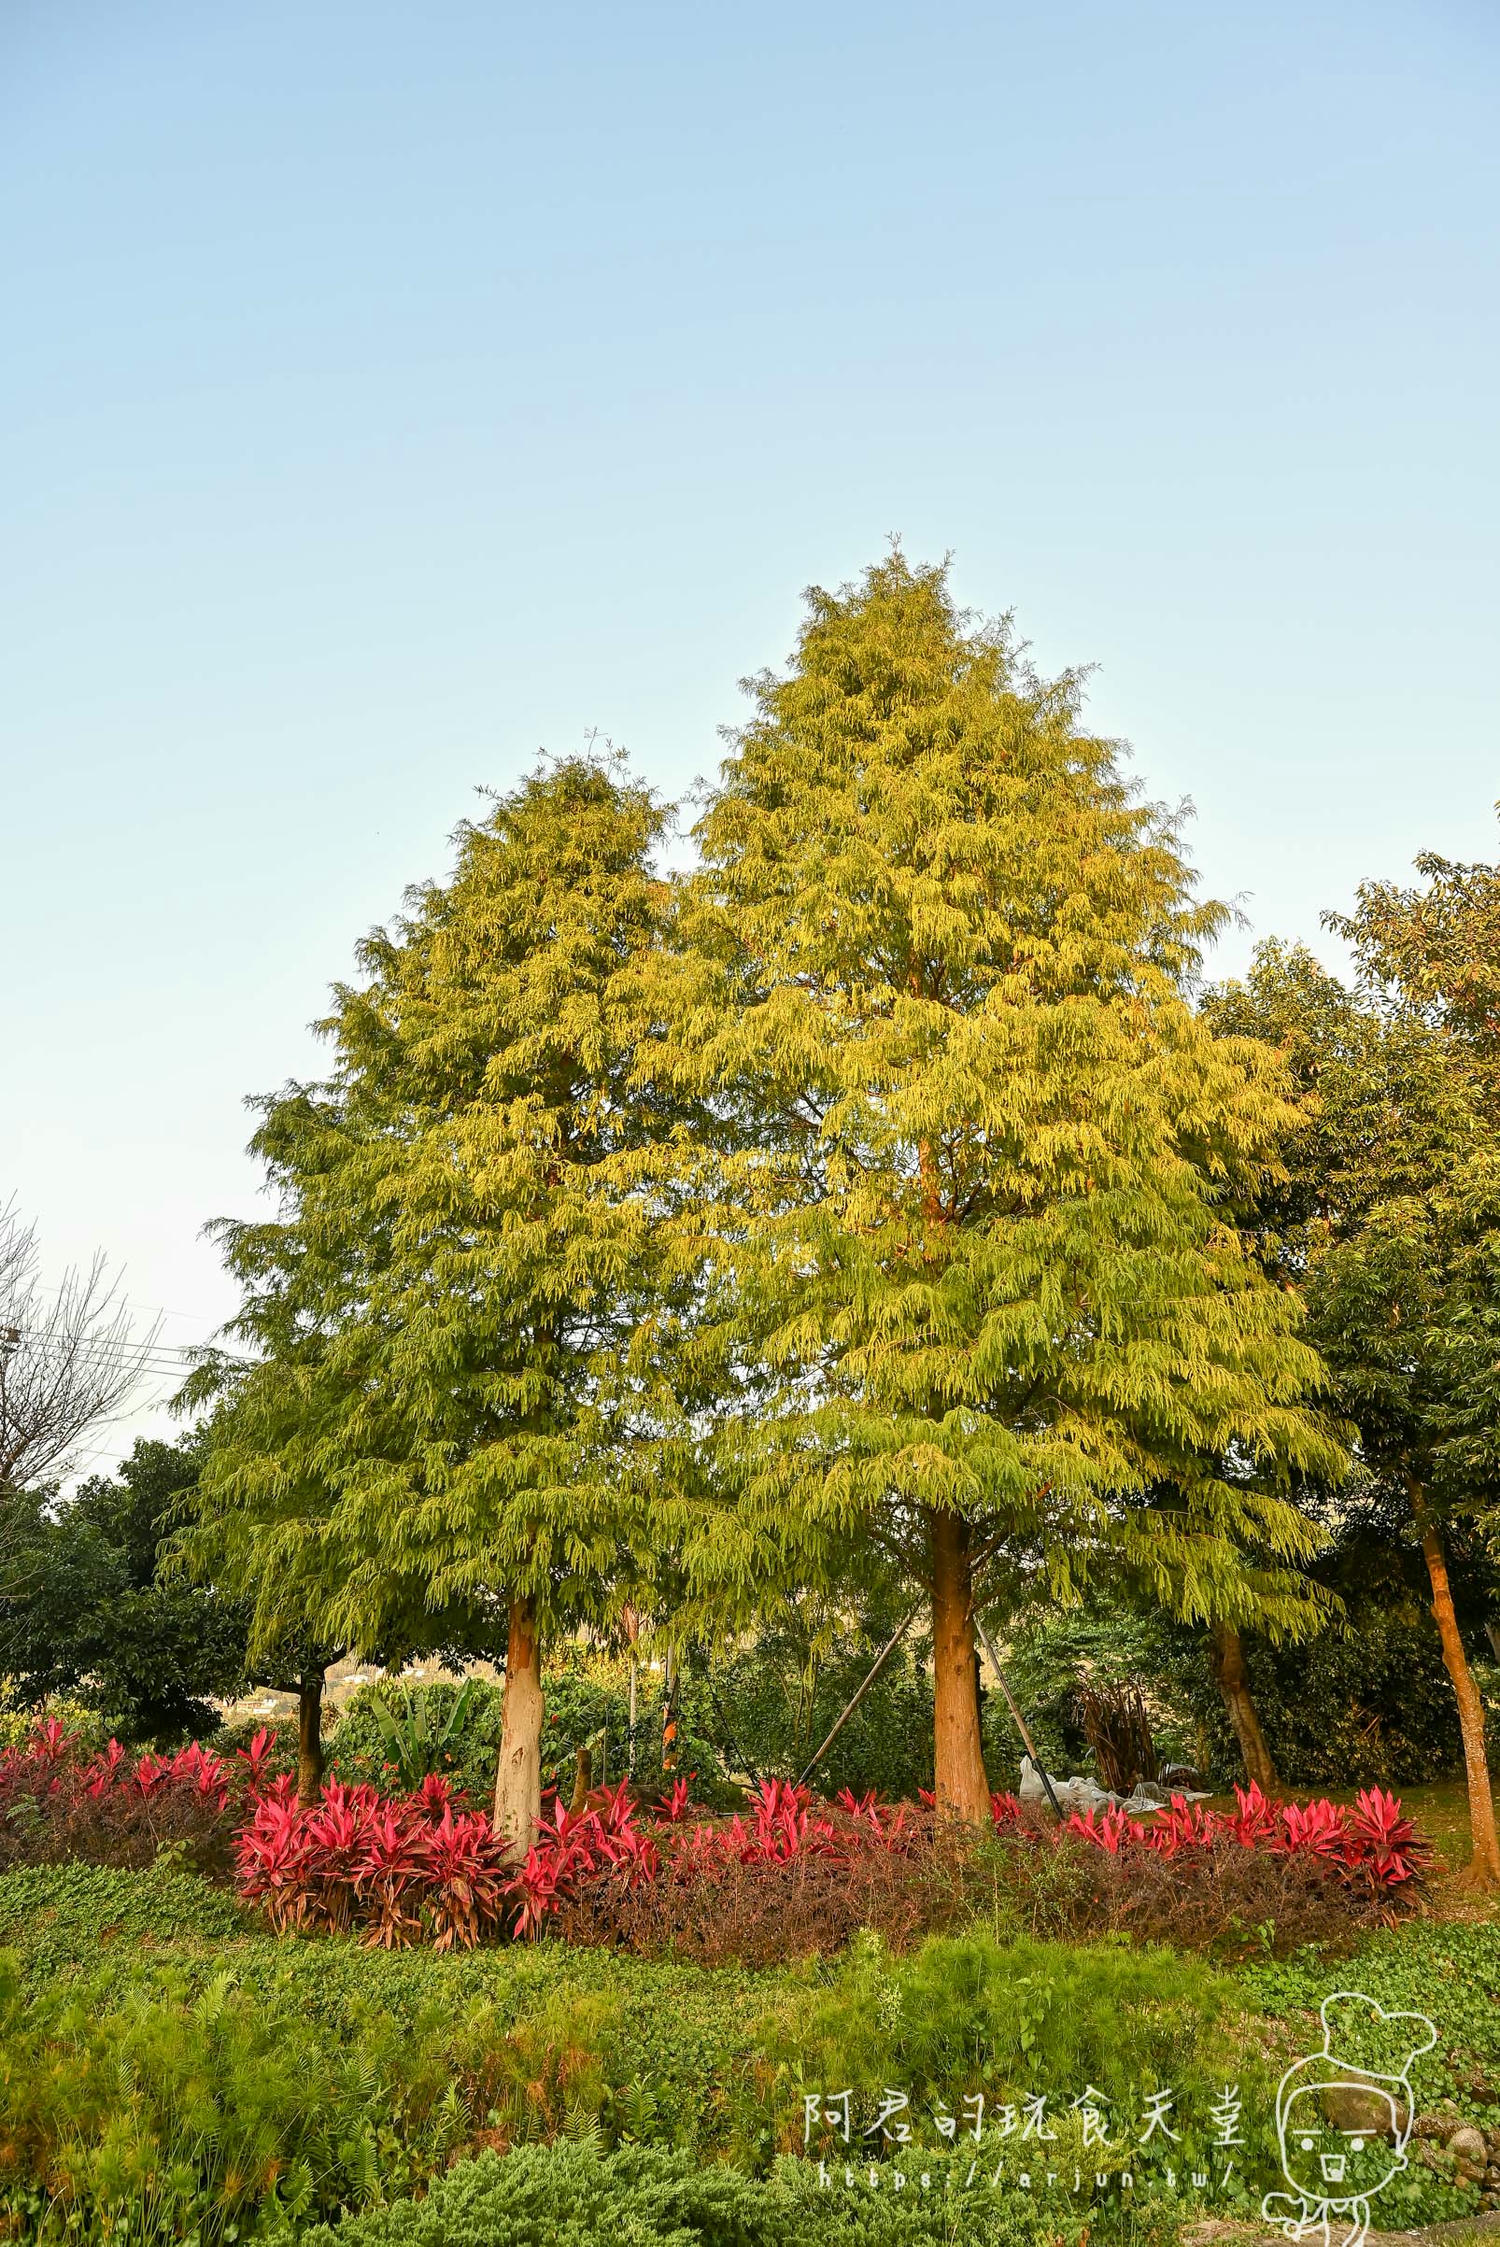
1373, 1848
106, 1810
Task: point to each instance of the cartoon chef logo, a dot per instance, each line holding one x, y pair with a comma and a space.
1343, 2116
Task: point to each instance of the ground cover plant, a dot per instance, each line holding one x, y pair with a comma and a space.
574, 2195
167, 2066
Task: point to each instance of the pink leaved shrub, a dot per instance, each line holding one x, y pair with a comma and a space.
112, 1808
788, 1873
1373, 1848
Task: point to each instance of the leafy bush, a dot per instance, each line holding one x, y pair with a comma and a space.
404, 1868
174, 2115
79, 1721
797, 1875
277, 1736
1365, 1703
574, 2195
1371, 1851
770, 1704
588, 1704
1050, 1655
587, 1695
969, 2012
791, 1876
465, 1752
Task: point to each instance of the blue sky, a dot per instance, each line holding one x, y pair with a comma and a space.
389, 391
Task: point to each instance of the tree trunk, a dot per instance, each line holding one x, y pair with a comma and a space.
963, 1790
518, 1781
1228, 1658
309, 1737
1483, 1868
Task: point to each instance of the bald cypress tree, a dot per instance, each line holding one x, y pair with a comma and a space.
968, 1245
432, 1437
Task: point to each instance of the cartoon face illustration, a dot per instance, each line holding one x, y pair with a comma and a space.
1327, 2161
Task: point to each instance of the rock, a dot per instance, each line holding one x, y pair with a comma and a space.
1439, 2127
1075, 1794
1080, 1795
1470, 2154
1358, 2106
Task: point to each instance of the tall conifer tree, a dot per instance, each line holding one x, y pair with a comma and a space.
1388, 1218
969, 1254
463, 1244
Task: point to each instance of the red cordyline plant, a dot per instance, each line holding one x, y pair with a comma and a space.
110, 1809
399, 1869
1374, 1847
782, 1827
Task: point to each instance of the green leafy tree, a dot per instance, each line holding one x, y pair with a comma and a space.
86, 1610
435, 1440
1389, 1217
979, 1298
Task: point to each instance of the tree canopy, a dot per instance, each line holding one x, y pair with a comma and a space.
1388, 1219
976, 1282
430, 1441
84, 1610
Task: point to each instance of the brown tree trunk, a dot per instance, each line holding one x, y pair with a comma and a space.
963, 1790
1228, 1657
1483, 1868
309, 1737
518, 1780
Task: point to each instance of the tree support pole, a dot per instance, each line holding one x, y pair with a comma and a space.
871, 1674
1020, 1722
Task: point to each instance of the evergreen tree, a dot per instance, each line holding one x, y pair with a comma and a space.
86, 1609
970, 1275
1389, 1217
434, 1438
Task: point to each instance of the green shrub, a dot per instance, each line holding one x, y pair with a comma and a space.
769, 1706
1050, 1655
178, 2114
587, 1703
358, 1748
966, 2013
574, 2196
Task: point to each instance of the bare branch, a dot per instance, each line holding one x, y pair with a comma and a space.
68, 1360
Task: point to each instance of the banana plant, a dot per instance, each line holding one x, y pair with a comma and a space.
414, 1743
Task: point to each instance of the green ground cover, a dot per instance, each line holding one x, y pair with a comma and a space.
167, 2071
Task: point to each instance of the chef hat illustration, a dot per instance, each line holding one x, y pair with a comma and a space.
1361, 2038
1362, 2043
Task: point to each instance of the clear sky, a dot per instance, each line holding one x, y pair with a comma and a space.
386, 391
